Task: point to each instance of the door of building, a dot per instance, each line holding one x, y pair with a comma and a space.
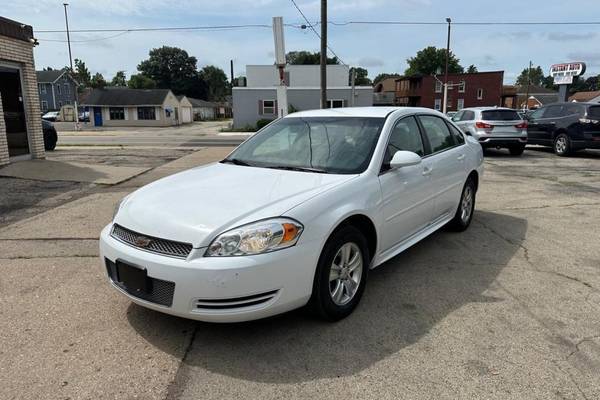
97, 116
14, 111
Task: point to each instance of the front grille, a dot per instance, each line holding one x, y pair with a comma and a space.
154, 245
161, 292
235, 302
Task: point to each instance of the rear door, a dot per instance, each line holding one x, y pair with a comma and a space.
447, 168
534, 126
547, 124
407, 191
504, 122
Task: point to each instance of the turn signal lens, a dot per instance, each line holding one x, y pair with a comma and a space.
256, 238
522, 125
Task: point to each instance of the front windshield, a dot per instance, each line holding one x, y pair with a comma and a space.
321, 144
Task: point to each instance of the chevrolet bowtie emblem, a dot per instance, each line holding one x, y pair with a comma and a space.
142, 241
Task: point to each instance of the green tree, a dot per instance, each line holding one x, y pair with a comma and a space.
361, 78
216, 82
536, 77
82, 73
140, 81
97, 81
307, 58
383, 76
472, 69
172, 68
119, 79
430, 60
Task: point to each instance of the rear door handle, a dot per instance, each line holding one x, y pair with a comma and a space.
461, 157
427, 171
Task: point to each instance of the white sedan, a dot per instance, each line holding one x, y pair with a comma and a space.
296, 215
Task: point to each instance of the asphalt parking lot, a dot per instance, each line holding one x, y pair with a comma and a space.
509, 309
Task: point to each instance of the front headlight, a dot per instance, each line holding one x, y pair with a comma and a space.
255, 238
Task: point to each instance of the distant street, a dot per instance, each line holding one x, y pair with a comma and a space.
198, 134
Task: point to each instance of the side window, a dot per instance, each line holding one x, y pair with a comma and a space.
540, 113
457, 116
468, 116
404, 136
554, 112
437, 132
458, 136
572, 109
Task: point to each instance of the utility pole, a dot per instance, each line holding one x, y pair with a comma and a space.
445, 105
352, 85
231, 67
323, 53
528, 83
71, 64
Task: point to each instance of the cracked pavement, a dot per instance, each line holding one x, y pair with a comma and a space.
509, 309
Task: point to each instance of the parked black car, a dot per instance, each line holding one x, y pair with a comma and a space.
50, 135
567, 127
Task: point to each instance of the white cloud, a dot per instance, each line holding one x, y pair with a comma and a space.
370, 62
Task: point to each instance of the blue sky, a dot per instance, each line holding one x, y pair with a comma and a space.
377, 48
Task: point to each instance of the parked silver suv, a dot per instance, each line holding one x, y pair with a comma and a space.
494, 127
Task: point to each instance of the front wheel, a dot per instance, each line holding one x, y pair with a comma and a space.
562, 145
341, 274
466, 207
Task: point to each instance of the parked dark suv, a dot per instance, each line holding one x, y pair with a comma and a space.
567, 127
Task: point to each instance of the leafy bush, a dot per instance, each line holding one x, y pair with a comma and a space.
261, 123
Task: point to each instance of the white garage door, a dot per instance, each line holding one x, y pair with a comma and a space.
186, 115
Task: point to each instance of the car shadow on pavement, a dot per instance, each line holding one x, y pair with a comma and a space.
404, 299
586, 153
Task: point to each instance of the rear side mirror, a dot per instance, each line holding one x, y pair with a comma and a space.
404, 158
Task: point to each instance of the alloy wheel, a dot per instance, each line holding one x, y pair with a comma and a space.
345, 273
466, 205
561, 145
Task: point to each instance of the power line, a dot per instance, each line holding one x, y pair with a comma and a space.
481, 23
85, 40
315, 31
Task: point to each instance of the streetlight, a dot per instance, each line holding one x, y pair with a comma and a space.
71, 64
444, 106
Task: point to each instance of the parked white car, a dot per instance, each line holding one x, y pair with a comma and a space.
296, 215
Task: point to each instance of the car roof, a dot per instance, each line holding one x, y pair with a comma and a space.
373, 112
487, 108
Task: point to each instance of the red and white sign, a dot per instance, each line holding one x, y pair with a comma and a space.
563, 73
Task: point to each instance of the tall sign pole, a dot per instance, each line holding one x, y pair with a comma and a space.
445, 105
282, 104
528, 84
323, 53
76, 117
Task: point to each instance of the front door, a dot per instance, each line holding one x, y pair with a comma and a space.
14, 112
536, 125
406, 191
97, 116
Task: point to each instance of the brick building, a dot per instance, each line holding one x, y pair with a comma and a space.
21, 134
465, 90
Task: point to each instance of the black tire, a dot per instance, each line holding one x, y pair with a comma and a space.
459, 223
516, 150
562, 145
321, 301
50, 140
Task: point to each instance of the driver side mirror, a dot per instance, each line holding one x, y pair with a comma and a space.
404, 158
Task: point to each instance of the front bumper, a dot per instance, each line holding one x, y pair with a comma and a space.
220, 289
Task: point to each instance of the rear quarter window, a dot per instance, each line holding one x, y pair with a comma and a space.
594, 111
500, 115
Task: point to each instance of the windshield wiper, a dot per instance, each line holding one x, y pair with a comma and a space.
236, 161
302, 169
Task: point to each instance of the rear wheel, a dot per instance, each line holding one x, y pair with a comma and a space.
562, 145
516, 150
466, 207
341, 274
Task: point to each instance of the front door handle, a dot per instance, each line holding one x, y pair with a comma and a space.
427, 171
461, 157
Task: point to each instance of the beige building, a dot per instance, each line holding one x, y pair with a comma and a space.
21, 134
117, 106
186, 109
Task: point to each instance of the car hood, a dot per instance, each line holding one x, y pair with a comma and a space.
195, 205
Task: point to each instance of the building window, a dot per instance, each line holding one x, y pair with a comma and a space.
335, 103
268, 106
450, 85
146, 113
117, 113
438, 86
42, 88
461, 87
438, 104
460, 104
58, 89
67, 88
479, 94
44, 105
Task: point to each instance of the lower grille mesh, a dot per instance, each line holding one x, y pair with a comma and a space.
161, 291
